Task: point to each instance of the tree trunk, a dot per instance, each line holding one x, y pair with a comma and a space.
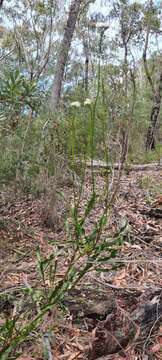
150, 140
86, 74
156, 91
63, 53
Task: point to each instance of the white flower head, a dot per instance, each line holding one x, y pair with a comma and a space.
102, 25
75, 104
88, 102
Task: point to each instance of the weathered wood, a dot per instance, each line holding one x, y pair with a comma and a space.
98, 164
110, 336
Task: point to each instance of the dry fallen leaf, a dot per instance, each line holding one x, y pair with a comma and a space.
160, 340
160, 330
74, 356
155, 348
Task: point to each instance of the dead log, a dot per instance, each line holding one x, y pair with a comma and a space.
101, 165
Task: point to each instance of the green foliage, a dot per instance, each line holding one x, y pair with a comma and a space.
35, 143
14, 163
28, 157
151, 188
139, 156
51, 290
18, 94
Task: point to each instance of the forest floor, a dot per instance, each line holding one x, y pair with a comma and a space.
115, 314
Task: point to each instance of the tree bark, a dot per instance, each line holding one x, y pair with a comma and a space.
144, 56
86, 75
150, 139
63, 53
156, 91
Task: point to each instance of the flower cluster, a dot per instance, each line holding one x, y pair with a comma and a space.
77, 104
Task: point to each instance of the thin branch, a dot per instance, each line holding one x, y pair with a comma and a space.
144, 56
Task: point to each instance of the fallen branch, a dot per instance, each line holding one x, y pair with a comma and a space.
98, 164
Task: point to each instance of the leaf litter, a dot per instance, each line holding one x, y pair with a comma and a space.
115, 312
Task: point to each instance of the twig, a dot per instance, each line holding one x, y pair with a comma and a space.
114, 287
150, 332
47, 347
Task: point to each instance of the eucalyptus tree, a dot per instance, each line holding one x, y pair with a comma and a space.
83, 33
26, 50
31, 30
62, 57
127, 16
88, 32
63, 53
139, 26
151, 28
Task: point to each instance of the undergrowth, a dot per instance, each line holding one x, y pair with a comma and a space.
35, 163
38, 156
